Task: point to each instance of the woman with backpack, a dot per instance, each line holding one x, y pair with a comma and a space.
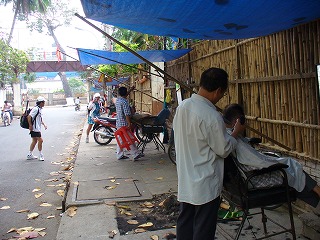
93, 111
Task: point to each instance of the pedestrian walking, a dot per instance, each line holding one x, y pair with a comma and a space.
35, 121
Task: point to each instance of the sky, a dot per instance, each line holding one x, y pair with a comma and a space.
78, 35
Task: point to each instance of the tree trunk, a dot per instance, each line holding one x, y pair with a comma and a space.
12, 26
62, 75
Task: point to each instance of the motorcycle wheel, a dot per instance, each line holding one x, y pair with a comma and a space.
172, 154
142, 137
100, 139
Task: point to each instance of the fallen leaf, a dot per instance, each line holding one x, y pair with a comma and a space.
111, 203
112, 233
139, 230
25, 229
148, 204
61, 185
42, 234
12, 230
3, 199
27, 235
112, 180
45, 204
38, 180
128, 213
169, 236
38, 195
59, 208
123, 207
51, 185
159, 178
71, 211
39, 229
60, 193
148, 224
51, 216
36, 190
54, 173
5, 207
23, 210
110, 187
33, 215
132, 222
145, 210
154, 237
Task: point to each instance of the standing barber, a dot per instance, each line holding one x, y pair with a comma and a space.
201, 143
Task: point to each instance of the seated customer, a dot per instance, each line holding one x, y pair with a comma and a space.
250, 159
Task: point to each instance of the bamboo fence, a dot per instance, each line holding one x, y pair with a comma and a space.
275, 79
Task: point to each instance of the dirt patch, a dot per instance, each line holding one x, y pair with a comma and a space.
159, 213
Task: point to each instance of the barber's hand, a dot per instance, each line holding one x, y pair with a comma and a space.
238, 128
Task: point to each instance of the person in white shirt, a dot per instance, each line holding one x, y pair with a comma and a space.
201, 143
250, 159
35, 121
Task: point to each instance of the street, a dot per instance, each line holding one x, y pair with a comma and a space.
26, 184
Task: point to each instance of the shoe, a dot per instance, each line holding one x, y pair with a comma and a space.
31, 157
123, 157
140, 155
41, 158
87, 139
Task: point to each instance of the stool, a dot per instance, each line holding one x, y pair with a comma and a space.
125, 138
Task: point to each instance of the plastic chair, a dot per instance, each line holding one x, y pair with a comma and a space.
125, 138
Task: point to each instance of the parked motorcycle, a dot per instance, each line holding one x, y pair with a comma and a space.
6, 119
103, 129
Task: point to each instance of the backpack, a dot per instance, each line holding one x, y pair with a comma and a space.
24, 118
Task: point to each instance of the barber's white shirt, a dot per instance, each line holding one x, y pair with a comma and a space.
201, 143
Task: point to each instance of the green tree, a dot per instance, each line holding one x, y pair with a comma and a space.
56, 15
25, 7
117, 70
77, 86
13, 62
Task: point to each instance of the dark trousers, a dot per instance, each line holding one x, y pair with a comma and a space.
198, 222
308, 195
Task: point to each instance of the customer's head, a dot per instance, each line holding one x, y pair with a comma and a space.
231, 113
213, 84
123, 91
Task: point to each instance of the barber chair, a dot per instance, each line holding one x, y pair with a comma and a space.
238, 191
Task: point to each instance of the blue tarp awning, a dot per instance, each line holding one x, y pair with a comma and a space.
203, 19
95, 57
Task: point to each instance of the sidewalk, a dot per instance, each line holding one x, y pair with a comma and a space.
153, 174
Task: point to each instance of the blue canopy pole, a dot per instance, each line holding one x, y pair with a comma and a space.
182, 84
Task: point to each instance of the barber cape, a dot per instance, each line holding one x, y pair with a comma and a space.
247, 155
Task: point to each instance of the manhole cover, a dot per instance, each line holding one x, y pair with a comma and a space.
115, 189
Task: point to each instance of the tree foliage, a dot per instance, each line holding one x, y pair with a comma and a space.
22, 8
57, 14
77, 86
13, 62
117, 70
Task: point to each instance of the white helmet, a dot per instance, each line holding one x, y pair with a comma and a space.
96, 95
41, 99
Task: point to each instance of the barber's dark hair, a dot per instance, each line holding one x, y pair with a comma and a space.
5, 101
232, 112
123, 91
214, 78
